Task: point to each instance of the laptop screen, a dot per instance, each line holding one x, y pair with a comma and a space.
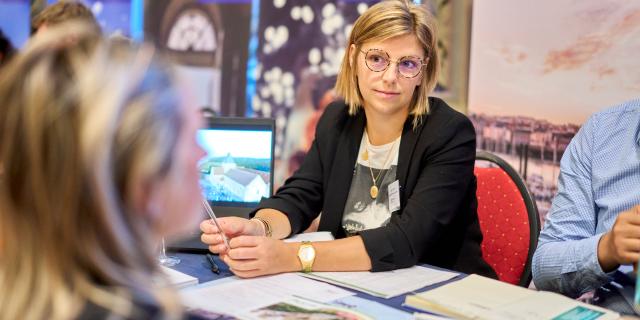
238, 168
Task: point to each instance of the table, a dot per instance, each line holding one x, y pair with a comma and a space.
195, 265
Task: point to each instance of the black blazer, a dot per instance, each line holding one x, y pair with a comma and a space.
437, 222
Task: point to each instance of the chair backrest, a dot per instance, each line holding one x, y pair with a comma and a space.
508, 219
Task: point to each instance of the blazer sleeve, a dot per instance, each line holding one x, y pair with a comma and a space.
301, 196
445, 174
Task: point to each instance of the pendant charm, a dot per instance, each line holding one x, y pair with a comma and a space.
373, 192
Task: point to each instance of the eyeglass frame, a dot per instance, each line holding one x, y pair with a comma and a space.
397, 62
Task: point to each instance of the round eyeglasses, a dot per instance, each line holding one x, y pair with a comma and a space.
378, 60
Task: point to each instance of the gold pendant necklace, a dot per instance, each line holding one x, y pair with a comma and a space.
373, 191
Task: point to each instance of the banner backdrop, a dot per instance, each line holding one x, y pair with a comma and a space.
208, 40
539, 69
274, 58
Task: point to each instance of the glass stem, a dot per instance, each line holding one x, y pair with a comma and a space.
164, 249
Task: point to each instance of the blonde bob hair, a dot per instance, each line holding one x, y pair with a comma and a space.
85, 126
383, 21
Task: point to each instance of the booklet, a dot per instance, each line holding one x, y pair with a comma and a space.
349, 308
477, 297
387, 284
178, 279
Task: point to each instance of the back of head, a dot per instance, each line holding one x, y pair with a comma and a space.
64, 11
85, 125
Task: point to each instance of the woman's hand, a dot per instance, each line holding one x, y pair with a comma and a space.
231, 227
252, 256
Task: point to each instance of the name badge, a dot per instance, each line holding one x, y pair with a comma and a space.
394, 196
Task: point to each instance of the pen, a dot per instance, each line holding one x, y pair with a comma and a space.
212, 215
214, 266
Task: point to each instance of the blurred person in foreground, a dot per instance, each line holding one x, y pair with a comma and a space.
100, 161
390, 168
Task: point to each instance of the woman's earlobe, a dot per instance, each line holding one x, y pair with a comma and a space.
153, 214
147, 201
352, 49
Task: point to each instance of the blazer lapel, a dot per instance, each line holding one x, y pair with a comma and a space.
405, 154
339, 182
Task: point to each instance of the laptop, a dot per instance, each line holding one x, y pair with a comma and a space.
237, 171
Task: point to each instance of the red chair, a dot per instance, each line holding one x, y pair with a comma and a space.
508, 219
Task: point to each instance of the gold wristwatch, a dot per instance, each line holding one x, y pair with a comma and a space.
306, 255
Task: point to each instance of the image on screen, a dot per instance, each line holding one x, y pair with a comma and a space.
237, 167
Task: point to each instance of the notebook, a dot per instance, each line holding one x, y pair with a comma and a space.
477, 297
237, 171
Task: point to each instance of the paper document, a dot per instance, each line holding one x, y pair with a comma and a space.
351, 308
424, 316
311, 236
387, 284
371, 308
477, 297
243, 295
176, 278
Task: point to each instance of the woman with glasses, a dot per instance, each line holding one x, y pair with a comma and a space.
390, 168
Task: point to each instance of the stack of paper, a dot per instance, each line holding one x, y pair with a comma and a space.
177, 278
476, 297
311, 236
236, 296
386, 284
284, 296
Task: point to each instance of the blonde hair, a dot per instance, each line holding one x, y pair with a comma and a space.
85, 125
64, 11
383, 21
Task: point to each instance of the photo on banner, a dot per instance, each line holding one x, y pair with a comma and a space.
533, 84
208, 41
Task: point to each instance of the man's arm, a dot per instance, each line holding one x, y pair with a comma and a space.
566, 259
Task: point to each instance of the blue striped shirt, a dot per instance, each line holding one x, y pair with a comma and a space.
599, 178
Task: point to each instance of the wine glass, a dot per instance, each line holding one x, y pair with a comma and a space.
164, 259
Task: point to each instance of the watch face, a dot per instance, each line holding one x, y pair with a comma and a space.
307, 253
